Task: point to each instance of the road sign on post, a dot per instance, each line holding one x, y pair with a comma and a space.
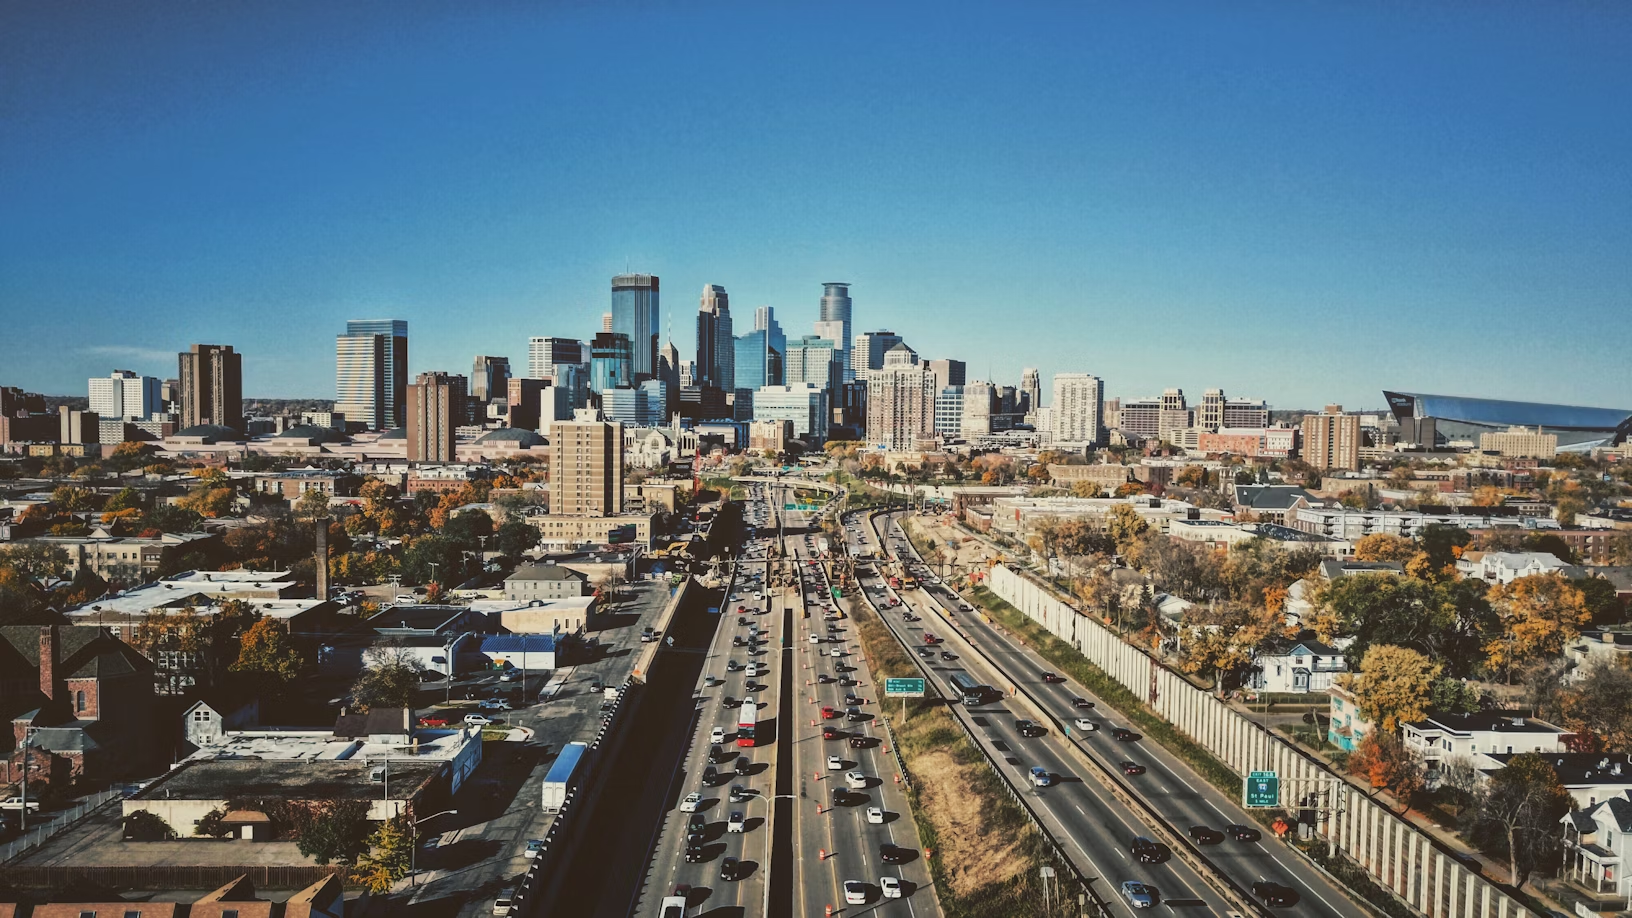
1263, 789
904, 688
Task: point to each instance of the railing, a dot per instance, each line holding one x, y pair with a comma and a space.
52, 823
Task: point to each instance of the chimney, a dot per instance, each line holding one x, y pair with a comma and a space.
321, 558
48, 661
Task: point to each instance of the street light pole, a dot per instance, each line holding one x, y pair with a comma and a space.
413, 843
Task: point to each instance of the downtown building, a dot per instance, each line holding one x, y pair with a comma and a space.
833, 322
371, 373
805, 404
716, 347
635, 315
1077, 412
1331, 439
900, 400
211, 377
436, 410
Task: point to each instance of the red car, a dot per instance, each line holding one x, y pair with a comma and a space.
433, 721
929, 638
829, 713
829, 733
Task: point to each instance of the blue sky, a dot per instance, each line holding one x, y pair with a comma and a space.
1305, 203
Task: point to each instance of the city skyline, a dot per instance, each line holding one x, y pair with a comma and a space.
1408, 183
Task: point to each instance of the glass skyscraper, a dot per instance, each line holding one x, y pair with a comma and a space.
635, 315
610, 363
836, 308
371, 373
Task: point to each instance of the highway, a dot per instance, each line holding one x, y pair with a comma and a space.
1095, 828
1177, 793
846, 816
677, 866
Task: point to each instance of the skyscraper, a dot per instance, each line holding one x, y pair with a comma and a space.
635, 314
716, 348
212, 386
948, 373
436, 408
836, 308
1175, 414
765, 321
868, 350
1331, 439
900, 400
586, 466
392, 367
668, 371
757, 362
817, 360
1210, 416
1031, 384
1078, 408
489, 378
124, 395
359, 380
611, 362
979, 403
543, 354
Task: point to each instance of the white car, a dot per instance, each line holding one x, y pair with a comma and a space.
891, 887
834, 763
691, 803
1085, 725
837, 652
735, 822
716, 736
855, 779
673, 907
875, 815
753, 670
815, 638
855, 892
477, 720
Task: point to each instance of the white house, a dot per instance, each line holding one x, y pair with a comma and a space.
205, 723
1597, 847
545, 581
1482, 734
1297, 666
1508, 566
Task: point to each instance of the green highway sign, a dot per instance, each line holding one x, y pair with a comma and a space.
1263, 789
904, 688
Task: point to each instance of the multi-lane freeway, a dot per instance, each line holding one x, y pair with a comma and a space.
1179, 796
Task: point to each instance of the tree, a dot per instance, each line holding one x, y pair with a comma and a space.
390, 679
1461, 779
1124, 524
213, 824
428, 550
1388, 764
266, 650
335, 830
1538, 615
1517, 815
145, 826
1219, 639
388, 858
1597, 705
1602, 600
1087, 489
1393, 685
1383, 546
515, 538
313, 504
171, 518
1453, 696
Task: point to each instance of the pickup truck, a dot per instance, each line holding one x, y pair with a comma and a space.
16, 803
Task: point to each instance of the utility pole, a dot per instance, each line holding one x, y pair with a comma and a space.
28, 737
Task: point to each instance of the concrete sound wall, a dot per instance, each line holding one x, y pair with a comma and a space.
1396, 854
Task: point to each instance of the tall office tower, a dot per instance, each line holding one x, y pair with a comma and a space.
716, 346
835, 332
359, 380
606, 321
212, 386
78, 427
1210, 416
1113, 414
757, 363
949, 412
816, 360
1246, 412
528, 400
586, 466
948, 373
544, 354
1031, 385
900, 400
668, 370
868, 350
688, 373
490, 378
393, 367
979, 404
1331, 439
836, 308
436, 408
1175, 414
125, 395
765, 321
1077, 408
1140, 417
635, 313
611, 362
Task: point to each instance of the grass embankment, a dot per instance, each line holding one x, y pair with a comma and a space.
1064, 657
986, 850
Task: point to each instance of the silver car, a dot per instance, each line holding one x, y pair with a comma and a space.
1138, 894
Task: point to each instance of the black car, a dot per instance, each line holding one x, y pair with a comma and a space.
1124, 735
743, 765
1203, 835
1149, 851
729, 702
948, 655
851, 699
696, 826
730, 869
1053, 678
716, 754
1030, 728
1079, 702
1132, 768
694, 854
859, 742
1275, 894
1242, 833
711, 776
926, 653
848, 682
890, 854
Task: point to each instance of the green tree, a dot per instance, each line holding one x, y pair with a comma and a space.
515, 538
1124, 525
388, 858
313, 504
125, 499
1453, 696
213, 824
171, 518
145, 826
428, 550
1517, 814
1596, 705
1606, 606
390, 679
1393, 686
468, 529
335, 830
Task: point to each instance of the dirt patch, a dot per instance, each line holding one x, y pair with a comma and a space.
973, 852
